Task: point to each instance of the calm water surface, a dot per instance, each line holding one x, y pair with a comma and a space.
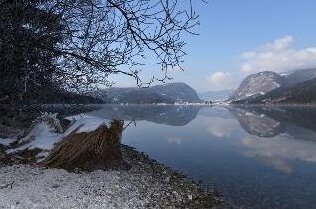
255, 157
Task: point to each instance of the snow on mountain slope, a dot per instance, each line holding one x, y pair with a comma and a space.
257, 84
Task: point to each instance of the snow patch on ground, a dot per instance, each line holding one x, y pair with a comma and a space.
87, 123
6, 141
41, 136
46, 133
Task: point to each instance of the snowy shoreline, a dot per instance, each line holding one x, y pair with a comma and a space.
143, 183
146, 185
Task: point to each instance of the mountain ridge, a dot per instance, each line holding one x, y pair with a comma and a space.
299, 86
164, 93
257, 84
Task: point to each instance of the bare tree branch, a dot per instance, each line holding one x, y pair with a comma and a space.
77, 45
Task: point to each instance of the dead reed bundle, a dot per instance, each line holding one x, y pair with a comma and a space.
98, 149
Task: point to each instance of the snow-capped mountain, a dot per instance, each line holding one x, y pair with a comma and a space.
257, 84
301, 93
297, 86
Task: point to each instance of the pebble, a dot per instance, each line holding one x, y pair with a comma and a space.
146, 185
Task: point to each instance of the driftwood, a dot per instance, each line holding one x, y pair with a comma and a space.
99, 149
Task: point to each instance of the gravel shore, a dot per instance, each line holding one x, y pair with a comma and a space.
139, 182
146, 184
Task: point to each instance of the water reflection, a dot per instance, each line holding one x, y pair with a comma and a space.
291, 131
161, 114
256, 123
258, 157
220, 128
296, 122
280, 151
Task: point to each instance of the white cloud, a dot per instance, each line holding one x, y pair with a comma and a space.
221, 81
278, 56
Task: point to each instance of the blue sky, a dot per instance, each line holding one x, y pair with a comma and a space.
238, 38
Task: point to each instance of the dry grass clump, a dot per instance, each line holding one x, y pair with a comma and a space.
98, 149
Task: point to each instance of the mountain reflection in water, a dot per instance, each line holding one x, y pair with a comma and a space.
162, 114
299, 123
258, 157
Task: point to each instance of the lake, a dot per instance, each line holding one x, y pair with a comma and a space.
256, 157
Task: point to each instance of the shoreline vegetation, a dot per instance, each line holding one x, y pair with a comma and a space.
138, 182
